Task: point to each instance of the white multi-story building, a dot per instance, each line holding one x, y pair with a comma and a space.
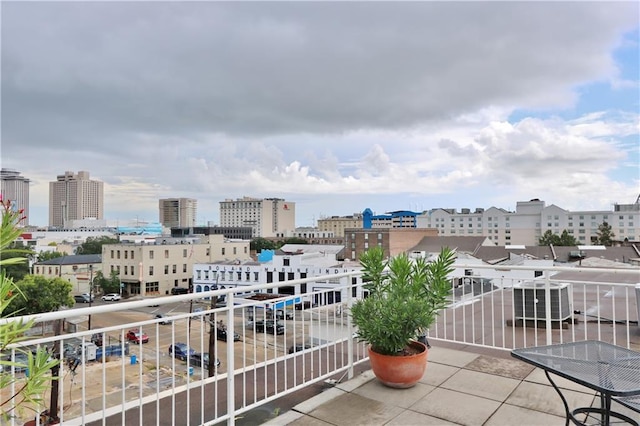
304, 262
75, 196
531, 220
178, 212
16, 189
267, 217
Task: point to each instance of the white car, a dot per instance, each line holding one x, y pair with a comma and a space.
111, 297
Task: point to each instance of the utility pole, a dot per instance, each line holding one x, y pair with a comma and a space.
55, 371
90, 292
212, 337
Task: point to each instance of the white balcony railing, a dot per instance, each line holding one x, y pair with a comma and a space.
130, 383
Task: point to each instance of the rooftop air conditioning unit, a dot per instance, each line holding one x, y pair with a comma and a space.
529, 301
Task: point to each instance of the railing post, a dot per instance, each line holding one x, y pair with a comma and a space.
350, 288
231, 379
547, 307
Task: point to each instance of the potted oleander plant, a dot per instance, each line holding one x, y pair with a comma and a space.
405, 297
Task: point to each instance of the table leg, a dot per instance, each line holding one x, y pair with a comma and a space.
564, 401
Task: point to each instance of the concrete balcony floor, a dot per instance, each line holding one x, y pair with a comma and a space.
471, 386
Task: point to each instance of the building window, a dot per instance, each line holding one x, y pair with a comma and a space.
285, 262
166, 254
118, 254
133, 272
150, 254
184, 267
125, 269
166, 269
184, 252
223, 251
150, 270
112, 254
234, 250
125, 254
175, 268
132, 252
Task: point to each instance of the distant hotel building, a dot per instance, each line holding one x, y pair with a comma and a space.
75, 197
337, 224
15, 188
531, 220
178, 212
267, 217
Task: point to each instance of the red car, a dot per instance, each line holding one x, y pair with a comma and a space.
137, 337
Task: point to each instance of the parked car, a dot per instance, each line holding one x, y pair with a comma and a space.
163, 319
299, 347
201, 359
181, 351
221, 334
136, 336
82, 298
282, 314
21, 361
111, 297
96, 339
271, 327
179, 290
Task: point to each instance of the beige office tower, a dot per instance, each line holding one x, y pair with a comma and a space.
178, 212
15, 188
268, 217
75, 197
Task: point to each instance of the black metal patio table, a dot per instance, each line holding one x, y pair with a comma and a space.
610, 370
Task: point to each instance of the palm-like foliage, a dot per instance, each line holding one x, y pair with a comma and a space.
405, 296
28, 389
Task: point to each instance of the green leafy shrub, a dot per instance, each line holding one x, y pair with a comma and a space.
405, 296
27, 390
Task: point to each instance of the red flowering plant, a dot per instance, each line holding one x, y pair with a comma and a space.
29, 388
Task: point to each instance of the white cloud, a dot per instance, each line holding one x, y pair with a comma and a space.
394, 101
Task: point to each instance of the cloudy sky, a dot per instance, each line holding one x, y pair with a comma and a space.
336, 106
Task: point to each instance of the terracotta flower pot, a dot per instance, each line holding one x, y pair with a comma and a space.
399, 371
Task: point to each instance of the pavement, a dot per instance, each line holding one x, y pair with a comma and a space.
459, 387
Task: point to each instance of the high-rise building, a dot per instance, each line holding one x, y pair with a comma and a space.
75, 197
178, 212
16, 189
267, 217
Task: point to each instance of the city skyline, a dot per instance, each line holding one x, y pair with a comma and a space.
336, 106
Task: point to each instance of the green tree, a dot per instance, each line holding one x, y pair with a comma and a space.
605, 235
18, 392
548, 238
108, 285
41, 294
93, 245
295, 240
258, 244
43, 256
566, 239
16, 270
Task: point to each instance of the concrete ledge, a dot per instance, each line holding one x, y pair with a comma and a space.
311, 404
